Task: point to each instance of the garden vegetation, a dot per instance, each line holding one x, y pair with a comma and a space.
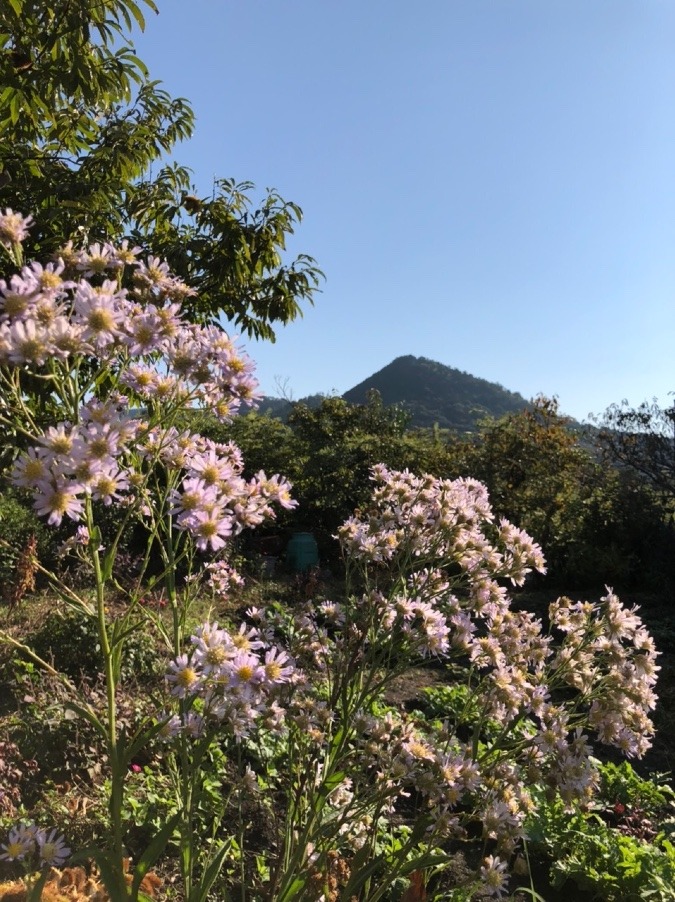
176, 725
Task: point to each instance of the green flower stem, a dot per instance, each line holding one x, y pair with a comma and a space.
117, 771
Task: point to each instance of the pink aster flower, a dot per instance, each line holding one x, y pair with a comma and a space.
20, 843
99, 442
109, 484
170, 728
28, 342
210, 467
121, 255
13, 228
18, 297
66, 338
52, 848
58, 498
185, 677
213, 647
143, 334
96, 260
48, 278
101, 313
278, 666
210, 528
151, 275
245, 671
60, 440
195, 496
30, 468
494, 876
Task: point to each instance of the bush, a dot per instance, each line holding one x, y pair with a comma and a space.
17, 524
71, 642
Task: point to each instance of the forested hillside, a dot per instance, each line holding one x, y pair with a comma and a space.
430, 392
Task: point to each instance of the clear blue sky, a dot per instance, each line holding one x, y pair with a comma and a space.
487, 183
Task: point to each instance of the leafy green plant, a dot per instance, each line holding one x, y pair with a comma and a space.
70, 641
583, 849
17, 524
620, 783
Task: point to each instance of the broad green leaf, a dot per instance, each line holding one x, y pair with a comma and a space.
331, 782
292, 892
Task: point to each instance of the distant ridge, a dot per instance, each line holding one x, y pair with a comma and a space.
434, 393
431, 393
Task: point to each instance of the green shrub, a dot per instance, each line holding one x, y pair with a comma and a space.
71, 642
17, 524
606, 855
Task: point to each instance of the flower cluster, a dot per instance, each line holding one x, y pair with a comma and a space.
223, 579
423, 518
76, 307
436, 554
74, 326
232, 680
213, 500
607, 649
29, 844
73, 460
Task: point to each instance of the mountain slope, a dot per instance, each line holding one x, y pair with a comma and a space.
434, 393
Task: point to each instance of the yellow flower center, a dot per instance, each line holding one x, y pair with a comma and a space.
59, 502
14, 849
50, 280
33, 469
215, 655
15, 304
101, 320
98, 448
61, 444
210, 475
273, 670
31, 348
186, 677
245, 672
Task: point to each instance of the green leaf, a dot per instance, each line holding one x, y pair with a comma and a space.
141, 739
530, 892
88, 715
17, 6
360, 874
152, 853
331, 782
296, 887
214, 868
136, 13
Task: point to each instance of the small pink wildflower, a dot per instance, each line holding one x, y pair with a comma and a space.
13, 228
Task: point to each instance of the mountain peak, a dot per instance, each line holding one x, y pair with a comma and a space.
435, 393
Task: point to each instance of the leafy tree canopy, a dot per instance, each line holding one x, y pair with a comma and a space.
642, 438
81, 125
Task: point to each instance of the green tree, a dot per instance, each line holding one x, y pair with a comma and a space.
596, 523
337, 444
642, 439
327, 452
82, 126
530, 462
